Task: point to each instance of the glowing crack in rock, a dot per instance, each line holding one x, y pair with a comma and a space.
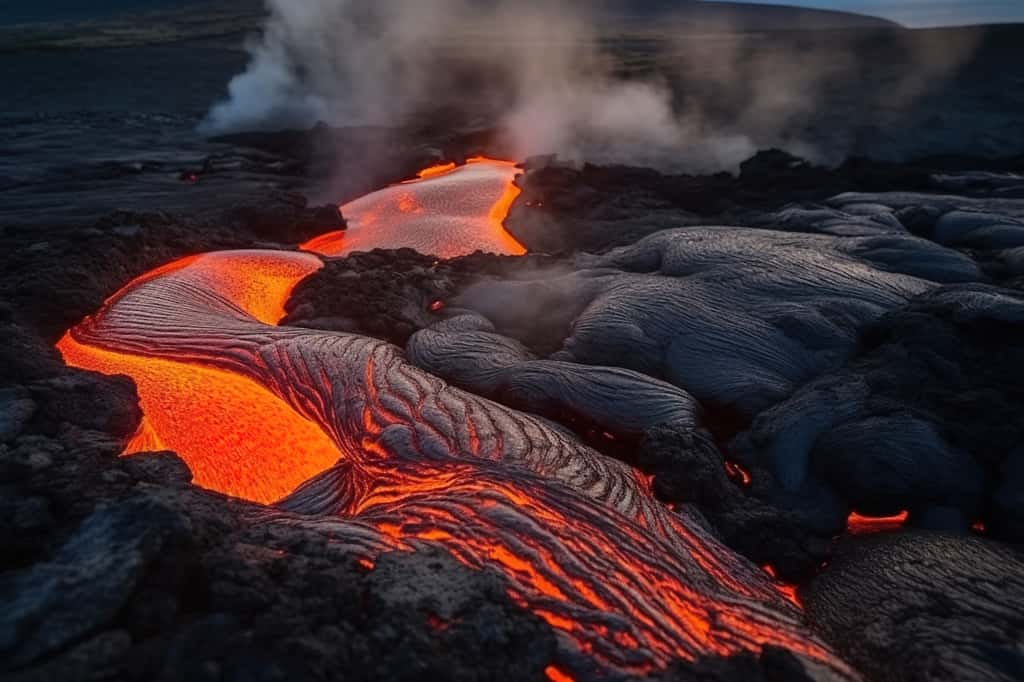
383, 456
449, 211
863, 525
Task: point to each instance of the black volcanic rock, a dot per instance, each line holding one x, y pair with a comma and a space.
390, 294
924, 416
593, 208
923, 606
772, 665
285, 218
101, 566
792, 536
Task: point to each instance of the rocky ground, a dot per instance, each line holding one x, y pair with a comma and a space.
872, 316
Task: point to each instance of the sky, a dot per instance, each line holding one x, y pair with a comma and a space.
920, 13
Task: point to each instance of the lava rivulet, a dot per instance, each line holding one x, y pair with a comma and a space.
235, 436
449, 211
231, 431
390, 457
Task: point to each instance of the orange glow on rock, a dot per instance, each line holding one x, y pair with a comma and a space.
737, 473
861, 525
556, 675
235, 435
787, 590
433, 171
449, 211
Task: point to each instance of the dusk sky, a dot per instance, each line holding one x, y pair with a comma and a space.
923, 12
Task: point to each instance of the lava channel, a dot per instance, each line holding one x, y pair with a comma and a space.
383, 456
448, 211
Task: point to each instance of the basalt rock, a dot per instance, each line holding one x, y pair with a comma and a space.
737, 317
922, 417
593, 208
101, 565
792, 534
390, 294
923, 606
285, 219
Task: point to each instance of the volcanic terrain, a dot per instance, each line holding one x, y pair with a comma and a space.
483, 416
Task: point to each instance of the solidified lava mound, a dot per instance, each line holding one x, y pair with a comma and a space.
440, 463
931, 605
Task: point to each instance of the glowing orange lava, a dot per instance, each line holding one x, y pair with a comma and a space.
236, 436
737, 473
449, 211
432, 171
556, 675
787, 590
860, 525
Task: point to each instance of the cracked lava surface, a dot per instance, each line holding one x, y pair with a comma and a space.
342, 433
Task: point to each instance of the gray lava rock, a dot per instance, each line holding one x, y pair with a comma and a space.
16, 408
925, 416
92, 576
923, 606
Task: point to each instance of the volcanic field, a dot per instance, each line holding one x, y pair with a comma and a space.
504, 419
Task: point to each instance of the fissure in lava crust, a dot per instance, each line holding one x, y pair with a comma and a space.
348, 437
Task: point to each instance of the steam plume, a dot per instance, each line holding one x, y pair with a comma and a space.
546, 72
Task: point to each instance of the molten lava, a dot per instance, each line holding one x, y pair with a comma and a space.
449, 211
862, 525
235, 435
382, 456
556, 675
431, 171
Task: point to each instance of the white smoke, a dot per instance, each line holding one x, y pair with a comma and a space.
545, 78
541, 70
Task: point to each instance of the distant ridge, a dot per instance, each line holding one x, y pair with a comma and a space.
700, 15
683, 14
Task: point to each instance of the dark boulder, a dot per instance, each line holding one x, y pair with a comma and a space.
923, 606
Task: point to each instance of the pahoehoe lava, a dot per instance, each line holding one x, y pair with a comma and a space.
393, 458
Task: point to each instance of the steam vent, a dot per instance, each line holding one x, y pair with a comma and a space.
463, 341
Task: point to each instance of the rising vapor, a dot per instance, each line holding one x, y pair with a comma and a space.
546, 74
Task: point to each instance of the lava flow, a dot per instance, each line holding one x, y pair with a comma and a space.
229, 429
448, 211
390, 458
